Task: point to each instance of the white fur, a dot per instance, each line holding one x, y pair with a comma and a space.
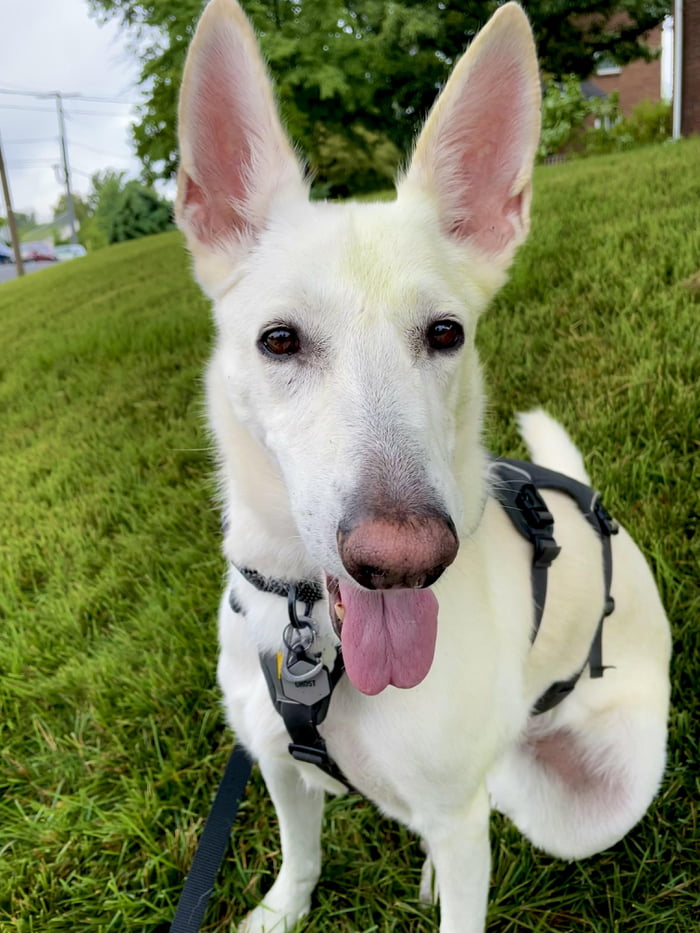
295, 438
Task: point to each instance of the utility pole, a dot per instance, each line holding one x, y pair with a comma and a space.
10, 215
66, 169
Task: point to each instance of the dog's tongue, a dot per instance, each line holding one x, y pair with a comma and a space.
388, 636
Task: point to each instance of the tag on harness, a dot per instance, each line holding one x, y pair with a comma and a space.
315, 688
308, 691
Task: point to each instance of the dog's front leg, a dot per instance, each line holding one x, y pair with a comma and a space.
458, 843
299, 812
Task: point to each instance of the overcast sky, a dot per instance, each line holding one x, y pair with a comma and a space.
54, 45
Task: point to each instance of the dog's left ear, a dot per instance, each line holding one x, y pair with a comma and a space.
236, 161
475, 155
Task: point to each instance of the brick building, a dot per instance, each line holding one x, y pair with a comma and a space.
690, 95
635, 82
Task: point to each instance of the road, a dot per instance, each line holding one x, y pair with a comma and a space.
8, 270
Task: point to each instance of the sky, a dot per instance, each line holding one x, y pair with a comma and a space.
55, 45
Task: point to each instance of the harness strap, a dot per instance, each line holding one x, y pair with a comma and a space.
518, 494
515, 481
301, 719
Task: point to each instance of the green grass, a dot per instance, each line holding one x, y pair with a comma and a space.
111, 737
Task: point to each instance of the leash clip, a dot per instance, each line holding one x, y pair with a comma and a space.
300, 662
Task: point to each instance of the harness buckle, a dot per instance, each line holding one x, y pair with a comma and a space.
314, 756
607, 524
546, 549
533, 508
301, 663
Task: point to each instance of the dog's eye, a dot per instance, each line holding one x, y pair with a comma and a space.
445, 335
280, 341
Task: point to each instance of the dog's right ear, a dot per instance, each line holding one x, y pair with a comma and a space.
474, 158
236, 162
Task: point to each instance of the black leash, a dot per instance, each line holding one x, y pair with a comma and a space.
212, 844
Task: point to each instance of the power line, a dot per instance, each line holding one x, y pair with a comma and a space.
105, 100
26, 142
87, 97
113, 155
63, 171
16, 162
27, 167
94, 113
21, 107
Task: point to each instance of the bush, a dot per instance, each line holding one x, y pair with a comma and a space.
564, 112
649, 122
139, 212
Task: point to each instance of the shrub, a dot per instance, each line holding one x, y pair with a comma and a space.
139, 212
564, 112
649, 122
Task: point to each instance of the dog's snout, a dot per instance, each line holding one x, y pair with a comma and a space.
382, 553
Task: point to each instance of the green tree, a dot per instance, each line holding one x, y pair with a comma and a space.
102, 201
364, 71
139, 212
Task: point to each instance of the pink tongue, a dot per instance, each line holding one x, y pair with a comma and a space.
388, 636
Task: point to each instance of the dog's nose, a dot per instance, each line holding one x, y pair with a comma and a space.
382, 553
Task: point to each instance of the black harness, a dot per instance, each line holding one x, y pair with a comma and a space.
516, 485
301, 684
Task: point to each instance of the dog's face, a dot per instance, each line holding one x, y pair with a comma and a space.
346, 331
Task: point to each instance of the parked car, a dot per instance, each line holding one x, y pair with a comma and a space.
40, 251
69, 251
6, 254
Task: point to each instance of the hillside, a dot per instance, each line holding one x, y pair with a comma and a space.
112, 737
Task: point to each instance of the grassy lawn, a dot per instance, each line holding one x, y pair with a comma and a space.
111, 738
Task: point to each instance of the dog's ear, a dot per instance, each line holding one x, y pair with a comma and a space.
236, 162
475, 155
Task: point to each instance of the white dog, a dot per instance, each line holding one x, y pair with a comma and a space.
346, 401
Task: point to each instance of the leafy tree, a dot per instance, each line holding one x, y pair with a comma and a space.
81, 208
120, 210
102, 202
139, 212
564, 112
361, 71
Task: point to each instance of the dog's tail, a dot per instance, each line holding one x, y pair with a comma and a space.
550, 445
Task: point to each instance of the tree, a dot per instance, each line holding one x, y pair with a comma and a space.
139, 212
363, 71
81, 208
121, 210
102, 201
